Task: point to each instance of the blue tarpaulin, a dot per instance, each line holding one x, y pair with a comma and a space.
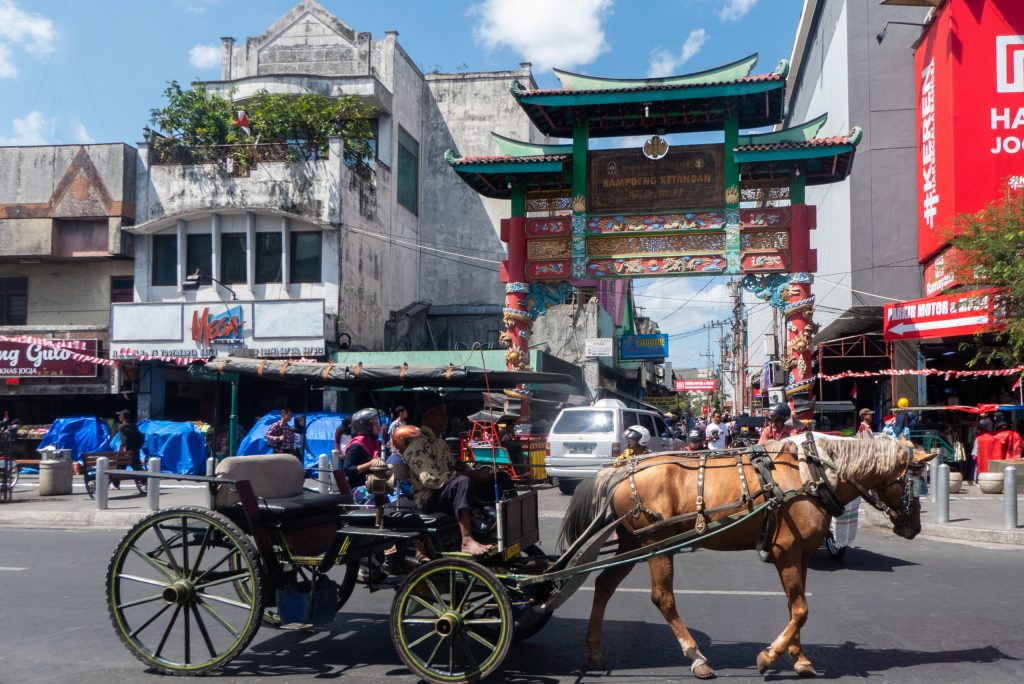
320, 427
81, 434
180, 446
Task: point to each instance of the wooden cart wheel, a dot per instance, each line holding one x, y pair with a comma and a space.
451, 621
169, 590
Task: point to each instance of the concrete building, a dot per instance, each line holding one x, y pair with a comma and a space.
313, 258
866, 225
64, 258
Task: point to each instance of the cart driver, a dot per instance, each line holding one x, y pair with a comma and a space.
440, 484
777, 428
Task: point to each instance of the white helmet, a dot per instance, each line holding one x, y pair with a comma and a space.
637, 432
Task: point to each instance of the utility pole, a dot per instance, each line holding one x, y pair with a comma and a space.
717, 370
739, 347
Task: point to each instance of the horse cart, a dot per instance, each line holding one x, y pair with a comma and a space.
188, 587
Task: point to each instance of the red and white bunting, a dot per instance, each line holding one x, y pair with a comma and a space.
67, 345
947, 374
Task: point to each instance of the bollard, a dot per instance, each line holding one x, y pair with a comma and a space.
942, 492
211, 469
324, 473
1010, 498
102, 483
933, 477
153, 490
336, 459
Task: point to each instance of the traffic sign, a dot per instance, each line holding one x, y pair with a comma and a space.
966, 313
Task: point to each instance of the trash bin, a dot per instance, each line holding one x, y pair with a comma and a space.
55, 472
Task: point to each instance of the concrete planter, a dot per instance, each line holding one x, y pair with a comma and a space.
991, 483
956, 482
995, 466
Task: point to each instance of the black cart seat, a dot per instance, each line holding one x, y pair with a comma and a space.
397, 518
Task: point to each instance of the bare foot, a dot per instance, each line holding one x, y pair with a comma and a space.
474, 548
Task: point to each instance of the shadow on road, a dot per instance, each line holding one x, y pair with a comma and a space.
857, 559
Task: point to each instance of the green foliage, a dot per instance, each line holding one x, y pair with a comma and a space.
196, 118
991, 243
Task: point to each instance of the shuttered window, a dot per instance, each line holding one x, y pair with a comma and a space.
408, 171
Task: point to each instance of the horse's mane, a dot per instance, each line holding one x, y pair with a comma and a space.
863, 459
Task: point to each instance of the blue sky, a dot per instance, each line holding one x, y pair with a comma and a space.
91, 70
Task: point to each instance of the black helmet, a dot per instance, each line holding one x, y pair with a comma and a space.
365, 421
780, 411
695, 438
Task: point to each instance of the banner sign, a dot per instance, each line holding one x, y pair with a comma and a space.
940, 273
624, 181
27, 360
643, 347
696, 385
951, 316
970, 110
598, 346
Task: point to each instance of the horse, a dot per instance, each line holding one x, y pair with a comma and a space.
663, 495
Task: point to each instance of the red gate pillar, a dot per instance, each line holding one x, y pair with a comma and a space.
518, 324
799, 312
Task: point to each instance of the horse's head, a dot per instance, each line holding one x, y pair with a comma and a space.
901, 502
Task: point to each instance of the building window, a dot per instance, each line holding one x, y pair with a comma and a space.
232, 257
165, 260
268, 257
408, 171
198, 253
122, 289
305, 258
13, 301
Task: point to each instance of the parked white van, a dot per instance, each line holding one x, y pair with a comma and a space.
584, 440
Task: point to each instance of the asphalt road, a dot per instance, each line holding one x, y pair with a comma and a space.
920, 611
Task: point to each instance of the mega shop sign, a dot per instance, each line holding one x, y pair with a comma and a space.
970, 112
26, 360
951, 316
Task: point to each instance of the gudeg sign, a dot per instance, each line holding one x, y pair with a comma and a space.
951, 316
970, 112
26, 360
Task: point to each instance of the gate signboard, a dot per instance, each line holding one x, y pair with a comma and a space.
627, 181
966, 313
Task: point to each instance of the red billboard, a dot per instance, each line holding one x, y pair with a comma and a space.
966, 313
28, 360
970, 112
695, 385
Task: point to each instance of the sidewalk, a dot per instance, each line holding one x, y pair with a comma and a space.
973, 516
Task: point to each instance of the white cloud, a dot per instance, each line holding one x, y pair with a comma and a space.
564, 33
664, 63
80, 135
204, 56
35, 32
734, 10
30, 130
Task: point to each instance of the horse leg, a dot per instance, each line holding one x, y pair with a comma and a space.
792, 569
664, 598
604, 587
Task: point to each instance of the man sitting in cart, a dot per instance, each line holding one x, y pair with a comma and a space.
777, 428
637, 438
440, 483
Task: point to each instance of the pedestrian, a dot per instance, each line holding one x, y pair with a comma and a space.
399, 416
865, 429
131, 439
280, 437
299, 443
998, 444
717, 432
776, 427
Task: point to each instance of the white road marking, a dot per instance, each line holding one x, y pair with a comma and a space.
698, 592
9, 569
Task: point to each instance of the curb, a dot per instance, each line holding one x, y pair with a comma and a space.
71, 519
949, 531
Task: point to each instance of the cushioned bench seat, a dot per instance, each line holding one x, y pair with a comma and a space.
397, 518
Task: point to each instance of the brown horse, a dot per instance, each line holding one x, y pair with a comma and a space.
666, 487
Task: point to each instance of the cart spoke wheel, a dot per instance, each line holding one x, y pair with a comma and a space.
451, 621
184, 590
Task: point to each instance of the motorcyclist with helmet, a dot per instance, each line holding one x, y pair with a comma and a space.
637, 438
776, 427
363, 449
695, 440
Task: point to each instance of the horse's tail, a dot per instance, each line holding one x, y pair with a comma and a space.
587, 503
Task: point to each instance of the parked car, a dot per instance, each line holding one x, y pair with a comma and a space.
584, 440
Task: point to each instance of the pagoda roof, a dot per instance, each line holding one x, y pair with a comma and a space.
496, 176
686, 103
821, 160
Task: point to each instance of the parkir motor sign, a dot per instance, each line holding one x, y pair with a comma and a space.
966, 313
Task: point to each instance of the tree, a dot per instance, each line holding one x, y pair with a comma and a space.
990, 243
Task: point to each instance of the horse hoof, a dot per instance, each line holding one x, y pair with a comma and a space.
764, 661
703, 671
806, 670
